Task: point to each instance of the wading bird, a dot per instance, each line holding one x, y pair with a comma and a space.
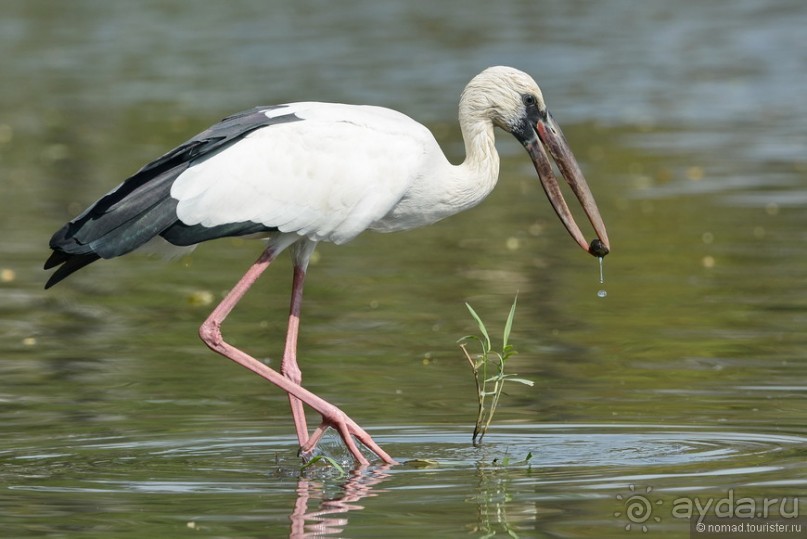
300, 173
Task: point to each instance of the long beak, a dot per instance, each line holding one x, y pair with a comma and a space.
552, 137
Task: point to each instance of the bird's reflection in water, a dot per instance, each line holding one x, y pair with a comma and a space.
316, 514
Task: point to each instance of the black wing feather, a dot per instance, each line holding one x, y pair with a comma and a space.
141, 207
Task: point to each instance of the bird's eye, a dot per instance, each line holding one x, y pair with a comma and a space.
529, 100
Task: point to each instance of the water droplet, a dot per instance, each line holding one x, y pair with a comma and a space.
601, 275
601, 293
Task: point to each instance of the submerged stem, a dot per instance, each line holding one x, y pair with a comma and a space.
480, 391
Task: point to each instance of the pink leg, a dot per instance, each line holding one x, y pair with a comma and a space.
210, 332
288, 366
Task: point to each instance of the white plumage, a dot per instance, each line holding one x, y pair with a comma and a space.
327, 177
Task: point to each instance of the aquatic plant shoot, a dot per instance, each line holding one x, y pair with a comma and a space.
488, 368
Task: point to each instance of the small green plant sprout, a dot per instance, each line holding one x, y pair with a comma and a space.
488, 368
328, 461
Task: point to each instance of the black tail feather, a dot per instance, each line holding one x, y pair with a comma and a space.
56, 258
70, 264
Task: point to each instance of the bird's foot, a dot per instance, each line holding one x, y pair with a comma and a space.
347, 430
308, 456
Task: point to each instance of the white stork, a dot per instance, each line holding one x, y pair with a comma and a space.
300, 173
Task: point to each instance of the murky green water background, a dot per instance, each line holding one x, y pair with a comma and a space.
687, 381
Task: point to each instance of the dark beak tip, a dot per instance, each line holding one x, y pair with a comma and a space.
598, 248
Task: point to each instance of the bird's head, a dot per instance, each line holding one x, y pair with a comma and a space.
510, 99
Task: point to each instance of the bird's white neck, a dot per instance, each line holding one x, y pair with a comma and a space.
476, 177
481, 158
445, 189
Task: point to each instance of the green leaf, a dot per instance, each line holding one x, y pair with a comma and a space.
520, 381
469, 338
422, 463
327, 459
481, 325
509, 325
